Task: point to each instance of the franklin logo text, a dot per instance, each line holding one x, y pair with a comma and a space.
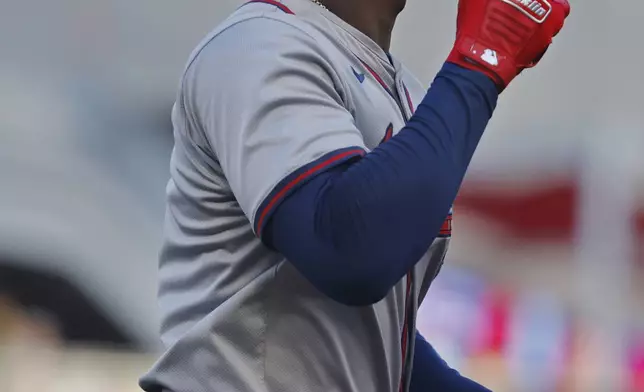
537, 10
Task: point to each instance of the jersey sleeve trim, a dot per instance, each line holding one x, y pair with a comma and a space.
446, 229
299, 177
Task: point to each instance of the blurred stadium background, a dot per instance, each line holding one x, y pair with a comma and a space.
544, 288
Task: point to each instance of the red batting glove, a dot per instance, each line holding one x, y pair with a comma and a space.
501, 38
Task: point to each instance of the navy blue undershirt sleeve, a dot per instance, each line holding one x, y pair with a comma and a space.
356, 229
431, 372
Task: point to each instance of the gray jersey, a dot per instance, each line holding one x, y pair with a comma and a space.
276, 94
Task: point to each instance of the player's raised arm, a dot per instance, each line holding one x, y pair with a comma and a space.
353, 221
355, 231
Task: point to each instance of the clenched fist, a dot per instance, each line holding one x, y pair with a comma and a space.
503, 37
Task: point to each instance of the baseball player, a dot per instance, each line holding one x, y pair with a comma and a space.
312, 175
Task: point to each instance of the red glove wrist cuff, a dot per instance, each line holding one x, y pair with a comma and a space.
478, 56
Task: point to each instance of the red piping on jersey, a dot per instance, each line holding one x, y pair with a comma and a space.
378, 78
405, 337
273, 3
409, 101
301, 178
405, 332
389, 133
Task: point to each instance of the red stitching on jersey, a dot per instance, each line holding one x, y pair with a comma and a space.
274, 3
301, 178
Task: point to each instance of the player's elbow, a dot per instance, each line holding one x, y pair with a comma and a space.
354, 289
355, 296
345, 278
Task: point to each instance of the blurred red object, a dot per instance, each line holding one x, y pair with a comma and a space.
637, 366
494, 324
639, 229
639, 224
547, 212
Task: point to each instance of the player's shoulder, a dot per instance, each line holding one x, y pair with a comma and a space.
251, 26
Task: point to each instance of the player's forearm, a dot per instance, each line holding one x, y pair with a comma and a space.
355, 232
431, 372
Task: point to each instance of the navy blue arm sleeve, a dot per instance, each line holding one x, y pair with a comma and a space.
431, 372
355, 230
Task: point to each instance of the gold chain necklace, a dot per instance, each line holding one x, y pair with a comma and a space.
318, 3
